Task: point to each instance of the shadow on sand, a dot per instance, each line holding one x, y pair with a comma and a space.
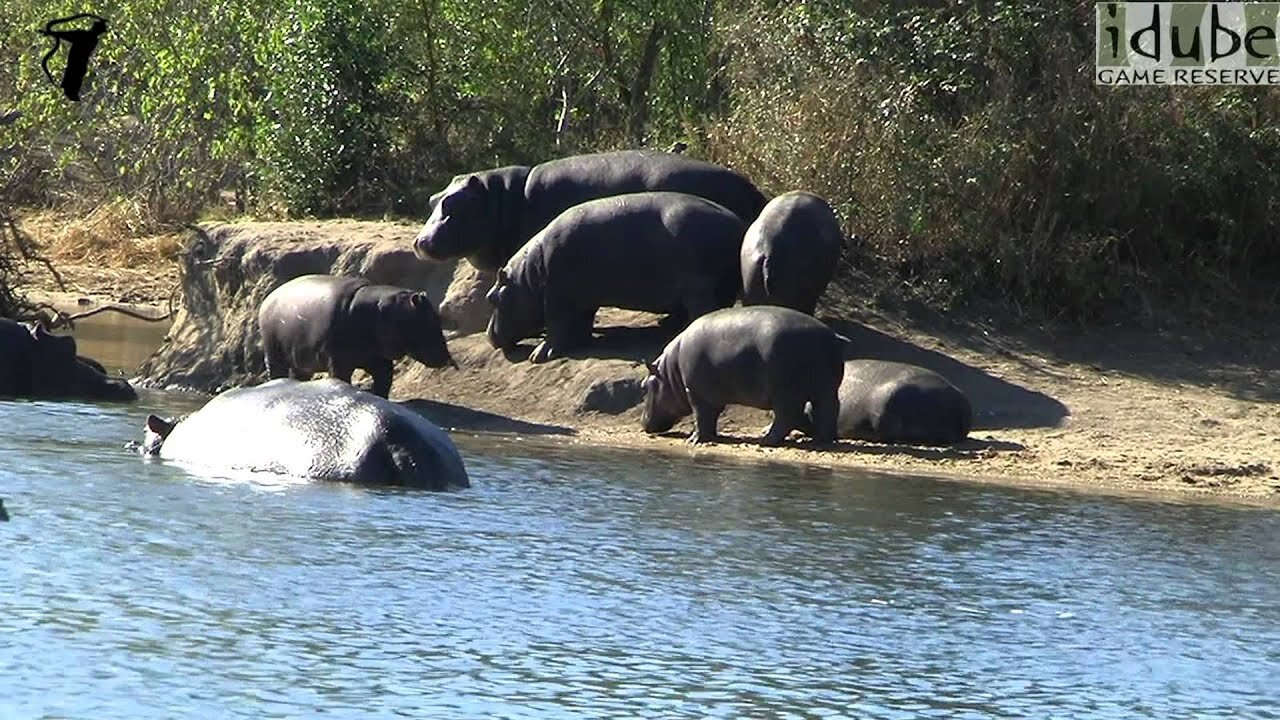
456, 417
997, 404
970, 449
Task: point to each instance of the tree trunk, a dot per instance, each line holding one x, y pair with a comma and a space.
638, 96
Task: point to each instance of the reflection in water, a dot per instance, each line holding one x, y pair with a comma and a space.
584, 582
121, 343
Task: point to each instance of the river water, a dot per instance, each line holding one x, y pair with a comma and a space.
599, 583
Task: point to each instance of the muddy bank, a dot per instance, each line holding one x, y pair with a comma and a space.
1107, 410
214, 344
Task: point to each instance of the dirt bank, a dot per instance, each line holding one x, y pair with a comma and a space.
1112, 410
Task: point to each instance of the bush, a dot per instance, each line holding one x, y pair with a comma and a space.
965, 143
968, 146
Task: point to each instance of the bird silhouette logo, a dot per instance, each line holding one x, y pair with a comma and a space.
80, 45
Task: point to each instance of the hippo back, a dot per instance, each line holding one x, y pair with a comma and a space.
321, 430
896, 402
558, 185
634, 251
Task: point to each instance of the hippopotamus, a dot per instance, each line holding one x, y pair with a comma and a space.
893, 402
35, 363
487, 216
659, 252
320, 430
763, 356
337, 324
790, 252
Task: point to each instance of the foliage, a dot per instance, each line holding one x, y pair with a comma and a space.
969, 148
965, 143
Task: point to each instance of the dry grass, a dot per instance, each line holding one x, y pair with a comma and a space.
117, 252
118, 235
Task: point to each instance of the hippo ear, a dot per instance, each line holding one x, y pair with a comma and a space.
419, 300
474, 183
652, 367
503, 279
159, 425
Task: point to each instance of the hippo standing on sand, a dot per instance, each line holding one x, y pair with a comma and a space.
320, 430
487, 216
335, 324
658, 252
893, 402
35, 363
790, 252
767, 357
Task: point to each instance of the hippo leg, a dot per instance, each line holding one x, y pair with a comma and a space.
381, 372
820, 424
699, 302
341, 371
674, 321
705, 418
569, 331
786, 417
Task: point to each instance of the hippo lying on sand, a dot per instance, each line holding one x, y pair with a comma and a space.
487, 216
321, 430
317, 323
790, 252
657, 252
767, 357
893, 402
35, 363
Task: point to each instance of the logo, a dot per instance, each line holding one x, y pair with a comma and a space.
80, 45
1186, 43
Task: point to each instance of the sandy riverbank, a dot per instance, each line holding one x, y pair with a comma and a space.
1191, 413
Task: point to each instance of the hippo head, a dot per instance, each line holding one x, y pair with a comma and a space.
461, 220
155, 432
409, 325
89, 381
517, 314
58, 372
663, 404
54, 354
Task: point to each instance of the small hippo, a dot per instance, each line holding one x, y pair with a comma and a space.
36, 363
658, 252
487, 216
790, 252
319, 430
893, 402
334, 324
764, 356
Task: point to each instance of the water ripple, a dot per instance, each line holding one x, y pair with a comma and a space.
581, 582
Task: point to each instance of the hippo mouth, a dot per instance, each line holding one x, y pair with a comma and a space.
115, 391
432, 243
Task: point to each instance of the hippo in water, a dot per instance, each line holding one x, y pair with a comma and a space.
320, 430
487, 216
658, 252
894, 402
764, 356
790, 252
35, 363
337, 324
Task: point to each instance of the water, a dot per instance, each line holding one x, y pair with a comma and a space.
580, 582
